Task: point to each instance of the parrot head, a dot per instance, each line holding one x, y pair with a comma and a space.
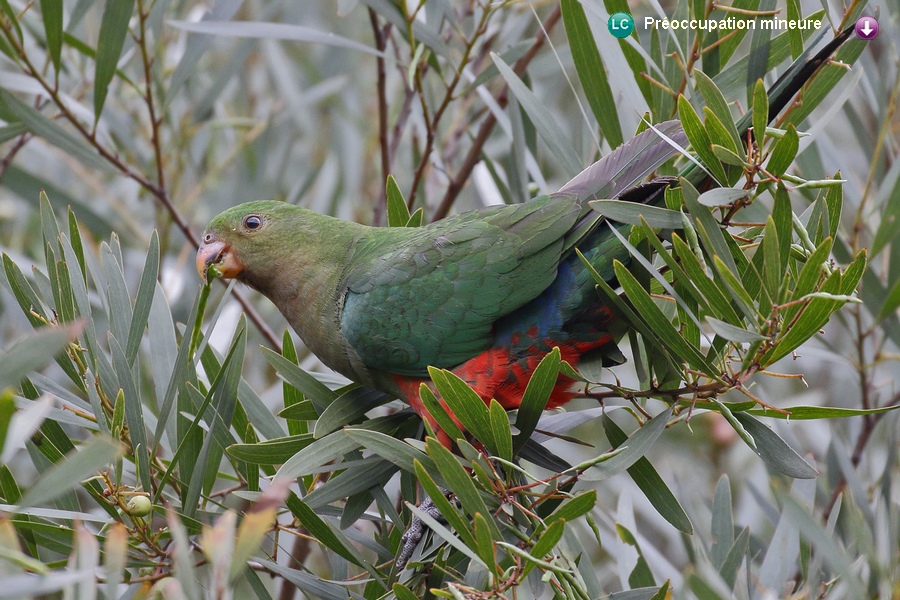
244, 240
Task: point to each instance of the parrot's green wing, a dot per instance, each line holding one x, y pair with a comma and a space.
430, 298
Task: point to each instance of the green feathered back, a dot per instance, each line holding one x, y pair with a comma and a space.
433, 300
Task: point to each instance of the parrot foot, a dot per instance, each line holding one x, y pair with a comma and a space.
417, 528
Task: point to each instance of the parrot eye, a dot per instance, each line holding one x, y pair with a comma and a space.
252, 222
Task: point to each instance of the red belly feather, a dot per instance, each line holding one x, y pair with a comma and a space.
496, 374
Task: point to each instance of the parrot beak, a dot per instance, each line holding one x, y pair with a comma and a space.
217, 254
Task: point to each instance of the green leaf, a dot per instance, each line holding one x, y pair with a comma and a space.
7, 410
721, 196
300, 408
591, 71
460, 482
546, 543
717, 104
853, 273
352, 481
549, 131
662, 593
631, 213
484, 543
465, 403
270, 452
834, 201
709, 230
134, 412
735, 557
720, 136
310, 458
144, 299
299, 411
697, 276
191, 450
774, 451
814, 316
321, 530
308, 385
728, 157
348, 408
685, 311
66, 475
699, 138
733, 333
640, 576
612, 299
447, 535
119, 307
794, 34
400, 453
535, 398
782, 217
772, 263
722, 522
402, 592
809, 277
679, 277
113, 31
500, 430
634, 449
397, 212
784, 152
658, 322
574, 508
182, 366
760, 112
439, 413
737, 289
805, 413
452, 515
417, 218
52, 14
650, 483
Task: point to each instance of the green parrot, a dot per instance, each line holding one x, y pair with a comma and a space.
486, 293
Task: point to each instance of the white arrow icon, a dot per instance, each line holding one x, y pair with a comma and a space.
866, 29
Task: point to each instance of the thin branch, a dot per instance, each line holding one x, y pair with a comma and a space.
147, 62
487, 126
431, 125
380, 45
16, 147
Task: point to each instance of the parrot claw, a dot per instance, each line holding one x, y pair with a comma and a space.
416, 530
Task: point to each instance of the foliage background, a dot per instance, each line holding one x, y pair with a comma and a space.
243, 118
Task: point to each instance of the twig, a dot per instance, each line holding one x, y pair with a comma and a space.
148, 96
487, 126
431, 124
380, 44
16, 147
